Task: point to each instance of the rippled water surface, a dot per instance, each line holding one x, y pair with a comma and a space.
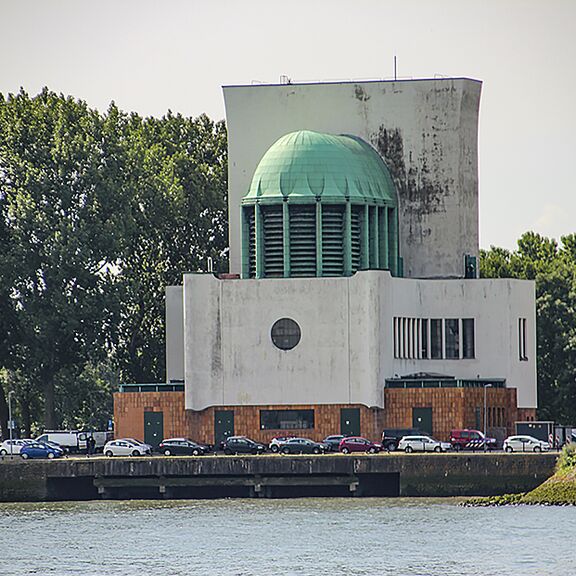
301, 537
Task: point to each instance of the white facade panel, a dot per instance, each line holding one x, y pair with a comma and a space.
347, 343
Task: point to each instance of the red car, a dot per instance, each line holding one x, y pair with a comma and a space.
359, 444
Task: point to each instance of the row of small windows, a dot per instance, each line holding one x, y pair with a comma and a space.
434, 338
495, 417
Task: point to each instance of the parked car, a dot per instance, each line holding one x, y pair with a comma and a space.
16, 444
126, 447
40, 450
181, 447
358, 444
471, 440
242, 445
303, 446
392, 436
333, 442
277, 442
422, 444
525, 444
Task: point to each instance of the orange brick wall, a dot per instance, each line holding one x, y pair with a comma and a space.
526, 414
129, 408
451, 408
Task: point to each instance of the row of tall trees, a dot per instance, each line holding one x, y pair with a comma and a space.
98, 213
553, 268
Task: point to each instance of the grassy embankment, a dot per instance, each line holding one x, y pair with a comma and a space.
559, 490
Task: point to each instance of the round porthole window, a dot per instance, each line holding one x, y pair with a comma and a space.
285, 333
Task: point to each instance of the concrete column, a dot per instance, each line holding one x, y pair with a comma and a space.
286, 238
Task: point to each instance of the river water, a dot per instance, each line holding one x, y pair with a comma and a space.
329, 536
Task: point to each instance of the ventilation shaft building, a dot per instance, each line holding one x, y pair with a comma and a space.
353, 301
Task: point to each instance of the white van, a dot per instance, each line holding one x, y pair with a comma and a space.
74, 440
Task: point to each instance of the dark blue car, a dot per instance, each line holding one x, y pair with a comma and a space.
40, 450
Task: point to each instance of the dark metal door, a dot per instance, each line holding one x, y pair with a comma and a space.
422, 419
153, 428
350, 421
223, 425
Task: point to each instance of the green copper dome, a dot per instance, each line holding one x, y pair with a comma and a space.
308, 166
319, 205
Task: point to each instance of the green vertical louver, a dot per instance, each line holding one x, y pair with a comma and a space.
332, 240
273, 236
303, 240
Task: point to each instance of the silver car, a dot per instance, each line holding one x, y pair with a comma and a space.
126, 447
422, 444
525, 444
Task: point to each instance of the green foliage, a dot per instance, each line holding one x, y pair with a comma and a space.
567, 459
553, 268
98, 213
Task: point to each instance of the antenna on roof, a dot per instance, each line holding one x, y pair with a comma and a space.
395, 76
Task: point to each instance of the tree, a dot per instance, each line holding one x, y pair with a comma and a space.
554, 271
98, 213
60, 213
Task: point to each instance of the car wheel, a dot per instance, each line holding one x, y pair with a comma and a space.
372, 450
195, 452
438, 449
408, 449
274, 448
25, 456
135, 453
109, 453
508, 449
457, 447
3, 452
537, 449
345, 450
167, 453
50, 455
228, 451
316, 450
285, 451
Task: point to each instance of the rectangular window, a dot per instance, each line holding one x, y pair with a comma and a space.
522, 348
424, 341
468, 338
435, 338
452, 332
286, 419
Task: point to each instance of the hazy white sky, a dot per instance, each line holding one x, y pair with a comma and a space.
150, 56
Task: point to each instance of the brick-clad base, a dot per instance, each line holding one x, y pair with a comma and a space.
451, 408
526, 414
129, 408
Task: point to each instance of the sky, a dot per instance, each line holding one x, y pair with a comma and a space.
150, 57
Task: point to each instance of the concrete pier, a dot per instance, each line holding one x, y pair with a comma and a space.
273, 476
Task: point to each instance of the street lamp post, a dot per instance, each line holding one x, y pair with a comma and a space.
485, 415
10, 423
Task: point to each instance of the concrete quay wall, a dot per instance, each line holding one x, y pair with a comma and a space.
269, 476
